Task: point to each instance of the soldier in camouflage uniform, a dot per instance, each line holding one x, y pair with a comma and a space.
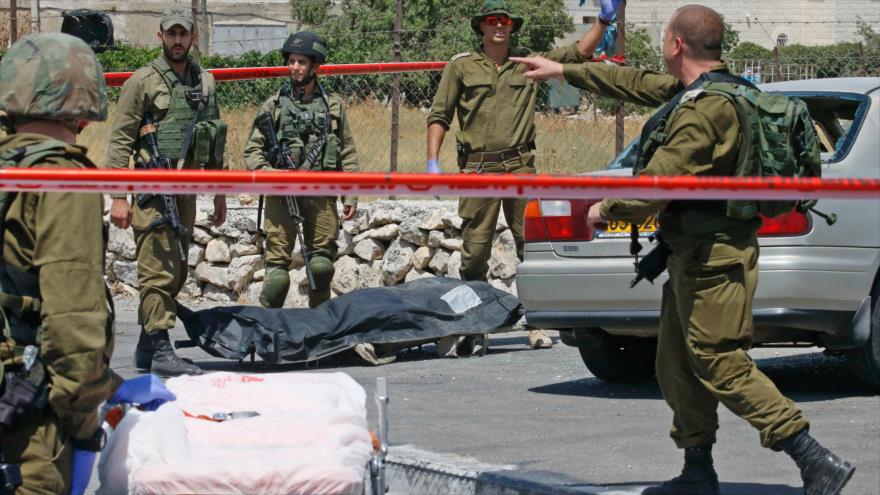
57, 313
706, 321
495, 104
180, 100
302, 112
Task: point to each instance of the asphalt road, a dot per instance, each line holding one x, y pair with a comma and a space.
544, 412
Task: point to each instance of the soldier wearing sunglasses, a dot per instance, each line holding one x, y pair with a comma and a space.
495, 104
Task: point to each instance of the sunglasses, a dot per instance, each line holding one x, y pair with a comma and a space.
494, 20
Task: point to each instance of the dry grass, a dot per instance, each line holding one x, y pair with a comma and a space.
566, 145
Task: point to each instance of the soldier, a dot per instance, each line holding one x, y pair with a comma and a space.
496, 109
706, 323
58, 335
314, 126
174, 101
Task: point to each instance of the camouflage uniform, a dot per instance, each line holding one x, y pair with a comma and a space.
706, 323
53, 252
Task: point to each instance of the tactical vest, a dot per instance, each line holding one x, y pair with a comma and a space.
191, 129
778, 139
304, 125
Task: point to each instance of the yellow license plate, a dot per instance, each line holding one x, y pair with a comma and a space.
619, 228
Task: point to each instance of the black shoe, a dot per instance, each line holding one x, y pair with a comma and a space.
823, 472
143, 352
166, 362
697, 478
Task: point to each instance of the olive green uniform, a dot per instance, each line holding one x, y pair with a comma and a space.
58, 240
161, 272
496, 113
706, 320
299, 125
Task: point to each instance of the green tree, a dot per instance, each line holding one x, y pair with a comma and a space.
730, 39
749, 51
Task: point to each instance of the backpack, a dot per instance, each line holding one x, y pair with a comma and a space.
778, 140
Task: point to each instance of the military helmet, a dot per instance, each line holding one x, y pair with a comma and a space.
305, 43
52, 76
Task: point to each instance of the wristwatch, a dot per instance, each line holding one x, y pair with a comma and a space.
95, 443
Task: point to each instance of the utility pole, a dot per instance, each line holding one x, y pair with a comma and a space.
203, 37
35, 16
621, 51
13, 21
395, 90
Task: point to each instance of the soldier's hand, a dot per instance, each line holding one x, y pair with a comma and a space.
348, 212
120, 213
594, 218
608, 9
219, 215
539, 68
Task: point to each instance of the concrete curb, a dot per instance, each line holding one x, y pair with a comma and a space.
410, 470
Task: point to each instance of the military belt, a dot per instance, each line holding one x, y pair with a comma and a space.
500, 156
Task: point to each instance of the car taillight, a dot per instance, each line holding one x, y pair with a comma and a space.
557, 220
792, 223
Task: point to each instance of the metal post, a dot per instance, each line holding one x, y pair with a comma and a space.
777, 71
204, 47
13, 21
621, 51
395, 91
35, 16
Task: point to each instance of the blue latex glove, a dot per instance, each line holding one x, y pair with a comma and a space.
433, 167
81, 470
147, 392
608, 9
608, 45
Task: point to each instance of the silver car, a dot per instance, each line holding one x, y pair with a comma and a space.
819, 284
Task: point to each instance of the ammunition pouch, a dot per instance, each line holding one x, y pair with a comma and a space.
461, 155
209, 141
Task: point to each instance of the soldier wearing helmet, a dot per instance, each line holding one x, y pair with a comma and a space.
314, 126
175, 100
57, 313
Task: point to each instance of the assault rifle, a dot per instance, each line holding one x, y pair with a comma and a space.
169, 204
283, 159
652, 264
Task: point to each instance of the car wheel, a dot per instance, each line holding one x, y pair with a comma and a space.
864, 362
614, 358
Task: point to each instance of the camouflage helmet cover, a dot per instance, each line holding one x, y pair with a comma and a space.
53, 76
305, 43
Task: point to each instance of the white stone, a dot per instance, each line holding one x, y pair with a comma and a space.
191, 289
439, 262
345, 243
397, 262
452, 220
385, 233
121, 242
251, 296
370, 274
297, 297
352, 226
259, 275
369, 249
296, 256
453, 267
345, 279
196, 254
217, 275
299, 277
415, 274
409, 231
241, 270
219, 294
435, 222
506, 285
503, 261
201, 235
451, 244
109, 259
243, 249
384, 216
435, 238
217, 251
126, 272
422, 256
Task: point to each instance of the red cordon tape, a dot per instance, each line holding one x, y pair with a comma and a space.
242, 73
472, 185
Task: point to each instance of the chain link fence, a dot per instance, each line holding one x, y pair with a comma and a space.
576, 131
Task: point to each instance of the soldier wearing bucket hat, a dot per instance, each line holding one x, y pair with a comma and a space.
495, 105
173, 101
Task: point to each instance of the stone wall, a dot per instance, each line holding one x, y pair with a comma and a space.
388, 242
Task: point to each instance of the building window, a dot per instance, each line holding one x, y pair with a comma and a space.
589, 20
782, 40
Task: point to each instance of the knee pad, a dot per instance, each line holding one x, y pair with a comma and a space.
275, 286
323, 270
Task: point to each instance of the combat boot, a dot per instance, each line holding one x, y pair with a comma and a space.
823, 472
697, 478
165, 361
143, 352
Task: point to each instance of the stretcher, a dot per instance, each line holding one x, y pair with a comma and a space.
243, 433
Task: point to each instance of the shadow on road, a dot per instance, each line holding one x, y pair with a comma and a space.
812, 377
726, 488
